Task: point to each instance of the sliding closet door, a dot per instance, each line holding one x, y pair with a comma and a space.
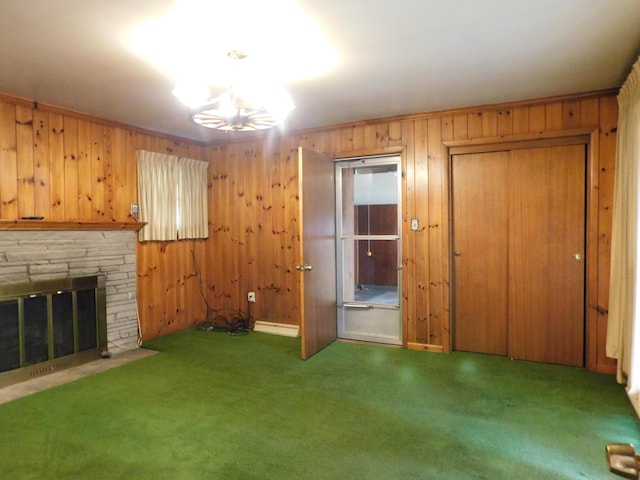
519, 246
546, 254
480, 221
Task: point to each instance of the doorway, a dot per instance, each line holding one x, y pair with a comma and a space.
368, 249
519, 219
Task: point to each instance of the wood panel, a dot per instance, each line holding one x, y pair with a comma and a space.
8, 162
546, 232
100, 182
409, 211
98, 177
607, 139
41, 164
421, 254
480, 221
56, 167
71, 173
24, 152
520, 120
436, 225
85, 172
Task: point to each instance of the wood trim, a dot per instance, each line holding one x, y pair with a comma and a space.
51, 225
453, 112
262, 136
44, 107
369, 153
431, 114
454, 145
591, 310
424, 347
502, 146
604, 368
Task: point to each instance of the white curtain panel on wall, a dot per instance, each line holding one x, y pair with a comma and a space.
623, 330
157, 193
172, 195
193, 199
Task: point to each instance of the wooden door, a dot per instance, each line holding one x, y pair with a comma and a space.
480, 222
519, 237
546, 254
317, 259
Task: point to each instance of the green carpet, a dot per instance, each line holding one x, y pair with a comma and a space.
213, 406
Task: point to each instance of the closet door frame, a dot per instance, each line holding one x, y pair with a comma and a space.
584, 136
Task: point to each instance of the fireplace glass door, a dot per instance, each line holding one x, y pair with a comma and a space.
45, 324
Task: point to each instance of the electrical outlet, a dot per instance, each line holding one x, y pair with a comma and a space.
415, 224
134, 209
251, 297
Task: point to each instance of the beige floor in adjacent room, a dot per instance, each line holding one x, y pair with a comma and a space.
34, 385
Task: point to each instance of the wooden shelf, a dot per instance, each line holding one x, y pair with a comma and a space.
54, 225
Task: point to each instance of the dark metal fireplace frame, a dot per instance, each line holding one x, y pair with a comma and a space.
70, 317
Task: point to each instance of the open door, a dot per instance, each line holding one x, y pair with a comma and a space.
317, 256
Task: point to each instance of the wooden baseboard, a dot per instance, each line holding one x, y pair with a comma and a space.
425, 347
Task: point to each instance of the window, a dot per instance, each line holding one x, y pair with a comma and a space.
172, 194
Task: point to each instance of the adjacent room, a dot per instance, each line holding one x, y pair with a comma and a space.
304, 239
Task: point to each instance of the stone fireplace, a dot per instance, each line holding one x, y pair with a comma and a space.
37, 255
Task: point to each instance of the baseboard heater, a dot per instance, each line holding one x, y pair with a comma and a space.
277, 328
50, 325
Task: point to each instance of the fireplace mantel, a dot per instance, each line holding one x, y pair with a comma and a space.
55, 225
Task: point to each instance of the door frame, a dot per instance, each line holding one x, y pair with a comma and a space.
582, 136
373, 160
381, 152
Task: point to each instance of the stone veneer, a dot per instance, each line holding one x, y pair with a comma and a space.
42, 255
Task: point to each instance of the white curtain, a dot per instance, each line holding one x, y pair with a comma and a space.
157, 194
193, 198
624, 311
172, 195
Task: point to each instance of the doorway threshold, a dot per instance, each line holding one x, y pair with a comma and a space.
363, 342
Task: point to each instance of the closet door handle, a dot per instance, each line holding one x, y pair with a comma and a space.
577, 256
457, 253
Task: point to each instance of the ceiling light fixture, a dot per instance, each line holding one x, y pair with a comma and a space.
244, 108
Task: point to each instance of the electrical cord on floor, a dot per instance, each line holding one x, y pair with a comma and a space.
234, 323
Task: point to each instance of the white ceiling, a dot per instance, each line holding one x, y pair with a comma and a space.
395, 57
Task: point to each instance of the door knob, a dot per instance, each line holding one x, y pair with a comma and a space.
302, 268
457, 253
577, 256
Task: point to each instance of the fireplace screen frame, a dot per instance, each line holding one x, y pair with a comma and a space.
84, 313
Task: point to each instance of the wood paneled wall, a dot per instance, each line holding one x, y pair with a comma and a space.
68, 167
